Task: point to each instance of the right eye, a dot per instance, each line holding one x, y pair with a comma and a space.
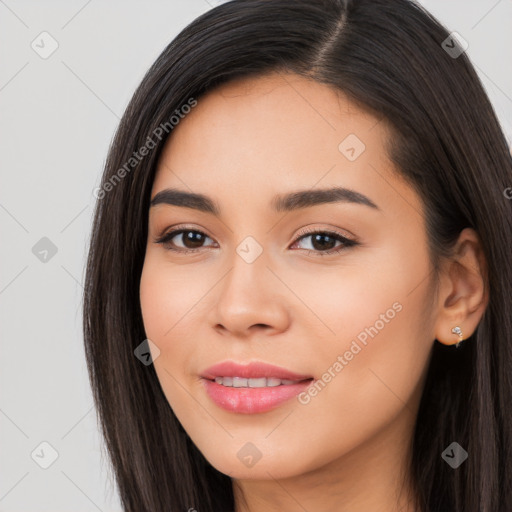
191, 240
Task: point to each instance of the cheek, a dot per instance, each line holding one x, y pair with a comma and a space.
164, 301
384, 339
166, 295
373, 340
166, 304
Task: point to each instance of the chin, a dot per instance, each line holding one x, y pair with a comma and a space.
245, 464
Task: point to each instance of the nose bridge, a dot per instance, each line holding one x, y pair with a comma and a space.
247, 296
248, 272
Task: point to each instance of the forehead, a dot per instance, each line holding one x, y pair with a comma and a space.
275, 133
279, 110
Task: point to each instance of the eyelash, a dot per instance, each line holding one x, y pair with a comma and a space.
165, 239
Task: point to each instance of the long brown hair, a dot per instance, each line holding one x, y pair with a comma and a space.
388, 57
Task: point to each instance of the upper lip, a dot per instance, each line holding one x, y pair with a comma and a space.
255, 369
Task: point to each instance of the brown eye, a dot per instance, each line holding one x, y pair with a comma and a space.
185, 240
192, 239
320, 241
324, 242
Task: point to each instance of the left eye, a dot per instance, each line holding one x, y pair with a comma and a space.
321, 241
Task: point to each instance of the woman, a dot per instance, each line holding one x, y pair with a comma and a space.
235, 369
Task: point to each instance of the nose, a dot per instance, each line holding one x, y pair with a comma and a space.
251, 299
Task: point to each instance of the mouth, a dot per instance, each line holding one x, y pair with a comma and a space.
253, 388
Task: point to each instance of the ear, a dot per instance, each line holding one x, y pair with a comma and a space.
463, 293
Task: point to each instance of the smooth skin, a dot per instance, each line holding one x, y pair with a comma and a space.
348, 448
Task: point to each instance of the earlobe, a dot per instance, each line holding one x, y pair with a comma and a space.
464, 294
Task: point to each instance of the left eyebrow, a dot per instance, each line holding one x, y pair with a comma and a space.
280, 203
308, 198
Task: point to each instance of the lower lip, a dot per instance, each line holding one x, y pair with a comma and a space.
252, 400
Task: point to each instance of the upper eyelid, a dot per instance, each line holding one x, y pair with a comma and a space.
336, 231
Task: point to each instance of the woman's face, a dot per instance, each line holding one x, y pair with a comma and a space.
269, 278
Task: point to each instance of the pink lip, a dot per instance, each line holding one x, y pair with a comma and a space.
252, 400
250, 371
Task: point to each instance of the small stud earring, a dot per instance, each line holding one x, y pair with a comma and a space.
457, 330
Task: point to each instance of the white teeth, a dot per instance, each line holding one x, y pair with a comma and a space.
239, 382
261, 382
257, 383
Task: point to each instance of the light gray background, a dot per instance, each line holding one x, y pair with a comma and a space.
57, 118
